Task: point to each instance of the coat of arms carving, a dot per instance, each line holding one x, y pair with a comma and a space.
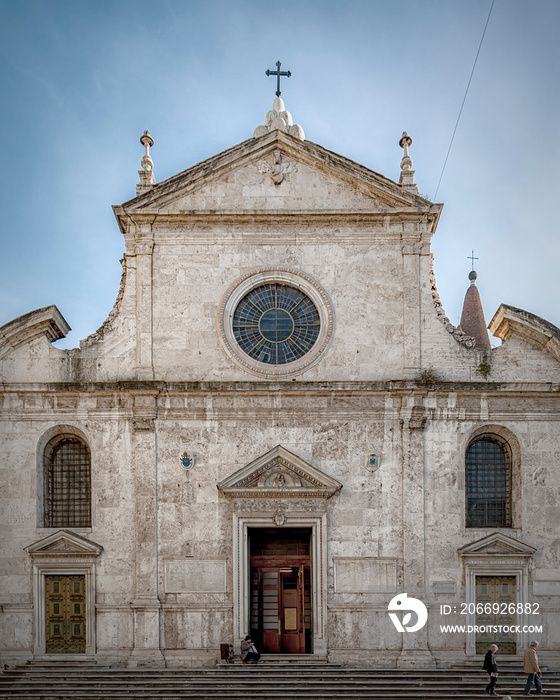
279, 169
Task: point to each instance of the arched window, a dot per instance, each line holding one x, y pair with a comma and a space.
66, 483
488, 478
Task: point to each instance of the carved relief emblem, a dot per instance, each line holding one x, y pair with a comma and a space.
280, 479
279, 169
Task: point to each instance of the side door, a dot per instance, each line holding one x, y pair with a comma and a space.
65, 607
498, 596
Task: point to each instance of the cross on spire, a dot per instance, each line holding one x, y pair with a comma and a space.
472, 258
278, 73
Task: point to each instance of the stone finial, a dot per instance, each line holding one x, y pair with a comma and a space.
147, 179
279, 118
405, 142
407, 174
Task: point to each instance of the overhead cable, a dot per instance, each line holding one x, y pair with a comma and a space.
464, 99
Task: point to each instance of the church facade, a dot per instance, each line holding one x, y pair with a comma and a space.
277, 431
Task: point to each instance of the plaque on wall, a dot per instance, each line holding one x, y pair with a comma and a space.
444, 587
365, 575
195, 576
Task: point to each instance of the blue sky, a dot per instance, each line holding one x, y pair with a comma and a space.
82, 80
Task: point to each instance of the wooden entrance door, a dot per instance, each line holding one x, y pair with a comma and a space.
65, 614
498, 596
292, 610
281, 591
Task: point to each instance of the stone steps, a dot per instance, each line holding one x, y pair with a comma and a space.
270, 681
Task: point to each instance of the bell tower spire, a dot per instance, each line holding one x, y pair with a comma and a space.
472, 318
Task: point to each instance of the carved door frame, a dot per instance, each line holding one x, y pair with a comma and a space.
317, 523
495, 555
482, 569
53, 568
63, 553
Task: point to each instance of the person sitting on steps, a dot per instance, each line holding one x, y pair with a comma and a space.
249, 653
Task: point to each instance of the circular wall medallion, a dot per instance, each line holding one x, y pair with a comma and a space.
275, 322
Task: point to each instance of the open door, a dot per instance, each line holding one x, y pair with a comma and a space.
281, 591
292, 611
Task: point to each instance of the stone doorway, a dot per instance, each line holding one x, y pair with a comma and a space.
315, 524
66, 559
281, 491
280, 589
496, 573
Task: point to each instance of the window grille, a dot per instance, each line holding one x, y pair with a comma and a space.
276, 324
488, 476
67, 484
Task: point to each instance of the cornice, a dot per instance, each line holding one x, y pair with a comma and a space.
281, 216
295, 387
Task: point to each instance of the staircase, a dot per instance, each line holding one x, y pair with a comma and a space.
271, 680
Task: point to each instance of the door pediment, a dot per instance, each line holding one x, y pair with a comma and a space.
64, 543
497, 544
279, 474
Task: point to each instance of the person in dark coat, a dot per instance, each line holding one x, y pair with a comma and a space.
249, 653
491, 667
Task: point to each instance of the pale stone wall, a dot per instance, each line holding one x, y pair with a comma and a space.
225, 429
397, 379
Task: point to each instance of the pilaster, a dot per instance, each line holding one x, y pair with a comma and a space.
146, 605
411, 246
414, 650
417, 300
144, 246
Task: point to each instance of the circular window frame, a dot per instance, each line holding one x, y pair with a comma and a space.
292, 278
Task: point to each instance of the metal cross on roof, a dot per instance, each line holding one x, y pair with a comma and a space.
278, 73
472, 258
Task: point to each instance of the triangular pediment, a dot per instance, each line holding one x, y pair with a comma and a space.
64, 543
509, 321
279, 474
497, 544
46, 322
276, 173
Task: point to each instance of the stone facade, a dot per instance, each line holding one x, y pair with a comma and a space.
276, 446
